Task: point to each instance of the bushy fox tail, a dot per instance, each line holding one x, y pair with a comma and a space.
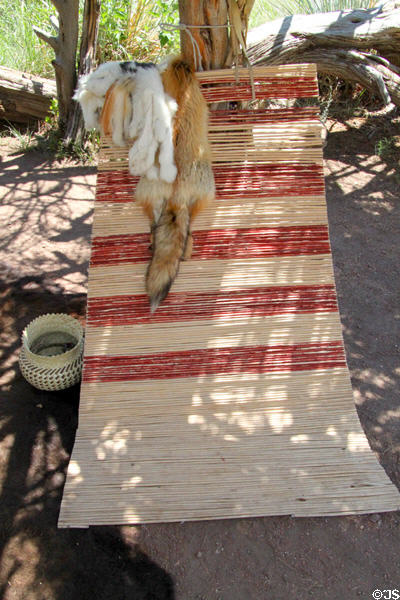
170, 237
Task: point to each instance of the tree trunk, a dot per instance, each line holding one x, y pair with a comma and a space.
214, 32
87, 53
360, 45
205, 48
64, 45
24, 98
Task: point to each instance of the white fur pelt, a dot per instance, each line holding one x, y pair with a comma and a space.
141, 111
92, 89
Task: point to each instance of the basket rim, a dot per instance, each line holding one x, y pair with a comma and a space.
52, 317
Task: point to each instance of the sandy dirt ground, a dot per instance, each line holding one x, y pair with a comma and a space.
46, 213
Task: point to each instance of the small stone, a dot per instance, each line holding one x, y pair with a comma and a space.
375, 517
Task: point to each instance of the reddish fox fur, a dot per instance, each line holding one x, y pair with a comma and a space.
171, 207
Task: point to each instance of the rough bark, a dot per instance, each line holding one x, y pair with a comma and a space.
64, 44
211, 43
24, 98
215, 31
360, 45
87, 53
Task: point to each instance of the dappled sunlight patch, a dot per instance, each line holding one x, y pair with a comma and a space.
6, 446
376, 205
48, 216
230, 438
300, 438
358, 397
237, 377
196, 420
130, 515
379, 380
332, 431
20, 569
389, 415
10, 362
357, 442
75, 471
280, 420
299, 472
132, 482
197, 400
201, 423
113, 442
234, 396
246, 422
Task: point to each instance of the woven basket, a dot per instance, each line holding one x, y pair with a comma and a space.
51, 353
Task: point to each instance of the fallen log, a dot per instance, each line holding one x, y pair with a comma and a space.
24, 98
360, 45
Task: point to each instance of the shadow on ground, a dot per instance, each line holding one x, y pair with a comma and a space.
364, 208
46, 212
39, 561
44, 250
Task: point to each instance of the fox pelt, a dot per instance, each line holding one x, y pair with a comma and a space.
123, 100
171, 207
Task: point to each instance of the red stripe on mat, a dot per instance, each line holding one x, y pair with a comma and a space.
251, 181
258, 117
214, 361
266, 181
268, 87
219, 244
191, 306
115, 186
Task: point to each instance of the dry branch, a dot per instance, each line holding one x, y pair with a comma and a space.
24, 98
360, 45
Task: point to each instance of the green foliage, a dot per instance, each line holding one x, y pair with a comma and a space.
113, 30
147, 40
387, 148
48, 140
127, 29
19, 46
166, 11
130, 29
52, 117
340, 99
23, 139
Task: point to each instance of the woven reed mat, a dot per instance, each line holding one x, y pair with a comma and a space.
234, 399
